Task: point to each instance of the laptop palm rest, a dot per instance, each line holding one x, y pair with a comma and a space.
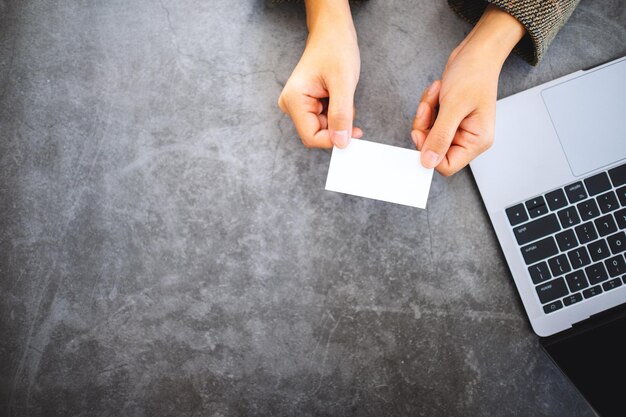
589, 117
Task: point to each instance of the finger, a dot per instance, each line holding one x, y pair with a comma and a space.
324, 108
357, 132
463, 151
323, 121
419, 137
310, 130
431, 98
340, 113
456, 159
305, 111
426, 110
441, 135
319, 107
424, 117
324, 103
431, 93
320, 140
307, 122
281, 103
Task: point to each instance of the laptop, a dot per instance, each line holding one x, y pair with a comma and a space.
554, 186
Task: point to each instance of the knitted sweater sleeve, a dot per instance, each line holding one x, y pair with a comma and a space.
541, 18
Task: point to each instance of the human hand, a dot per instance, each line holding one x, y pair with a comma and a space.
319, 94
455, 118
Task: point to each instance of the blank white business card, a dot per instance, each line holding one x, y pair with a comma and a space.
381, 172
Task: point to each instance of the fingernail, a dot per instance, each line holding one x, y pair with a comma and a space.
430, 159
340, 138
421, 109
431, 89
414, 137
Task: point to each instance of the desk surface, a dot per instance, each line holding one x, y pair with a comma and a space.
167, 246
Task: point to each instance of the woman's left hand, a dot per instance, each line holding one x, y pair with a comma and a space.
455, 118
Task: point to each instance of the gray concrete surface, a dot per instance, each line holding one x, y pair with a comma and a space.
167, 247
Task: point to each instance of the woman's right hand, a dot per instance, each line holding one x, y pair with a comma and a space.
319, 94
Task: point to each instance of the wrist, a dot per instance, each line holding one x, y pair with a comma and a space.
497, 33
329, 16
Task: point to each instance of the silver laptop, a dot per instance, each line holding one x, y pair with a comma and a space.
554, 185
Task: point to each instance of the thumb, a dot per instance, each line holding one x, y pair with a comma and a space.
340, 115
441, 135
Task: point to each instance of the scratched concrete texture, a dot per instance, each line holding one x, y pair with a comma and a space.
167, 247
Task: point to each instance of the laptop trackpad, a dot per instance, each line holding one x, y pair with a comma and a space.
589, 115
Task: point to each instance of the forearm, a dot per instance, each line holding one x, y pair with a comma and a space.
496, 34
330, 15
542, 20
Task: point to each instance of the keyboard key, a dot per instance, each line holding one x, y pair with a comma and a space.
605, 225
592, 292
596, 273
620, 216
539, 250
536, 207
598, 250
586, 233
579, 257
516, 214
588, 209
624, 279
539, 273
575, 192
598, 183
556, 199
569, 217
615, 266
607, 202
617, 242
559, 265
576, 281
551, 290
536, 229
618, 175
553, 306
621, 195
538, 211
566, 240
614, 283
572, 299
535, 202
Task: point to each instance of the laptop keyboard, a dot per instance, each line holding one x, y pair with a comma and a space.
573, 239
